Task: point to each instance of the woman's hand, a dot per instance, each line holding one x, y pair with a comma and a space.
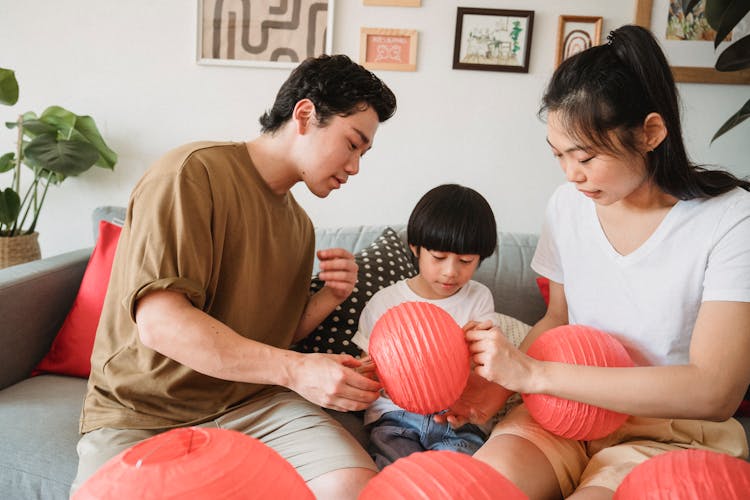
496, 359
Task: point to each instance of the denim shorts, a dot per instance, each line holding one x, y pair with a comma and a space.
400, 433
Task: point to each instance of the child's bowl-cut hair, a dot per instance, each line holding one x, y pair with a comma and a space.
453, 218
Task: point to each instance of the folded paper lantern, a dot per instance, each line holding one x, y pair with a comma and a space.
196, 463
440, 474
686, 474
580, 345
421, 356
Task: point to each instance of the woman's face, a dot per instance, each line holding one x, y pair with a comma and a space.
605, 177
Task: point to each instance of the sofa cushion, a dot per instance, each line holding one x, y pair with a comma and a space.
39, 419
70, 353
386, 261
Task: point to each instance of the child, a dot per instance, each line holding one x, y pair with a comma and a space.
450, 231
645, 245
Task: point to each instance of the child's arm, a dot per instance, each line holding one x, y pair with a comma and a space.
339, 272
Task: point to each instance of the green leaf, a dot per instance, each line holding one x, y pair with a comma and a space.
715, 10
7, 162
37, 127
10, 206
730, 18
61, 118
68, 158
736, 56
734, 120
87, 127
8, 87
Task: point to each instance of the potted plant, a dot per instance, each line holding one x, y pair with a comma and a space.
724, 16
54, 146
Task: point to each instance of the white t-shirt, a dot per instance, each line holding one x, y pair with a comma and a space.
472, 302
648, 299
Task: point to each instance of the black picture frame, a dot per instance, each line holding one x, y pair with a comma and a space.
493, 39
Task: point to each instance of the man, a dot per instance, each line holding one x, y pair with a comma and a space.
210, 285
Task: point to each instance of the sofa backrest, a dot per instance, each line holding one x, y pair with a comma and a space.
506, 272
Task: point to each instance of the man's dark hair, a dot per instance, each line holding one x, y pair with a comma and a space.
453, 218
336, 86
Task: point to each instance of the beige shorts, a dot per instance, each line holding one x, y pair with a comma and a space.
301, 432
605, 462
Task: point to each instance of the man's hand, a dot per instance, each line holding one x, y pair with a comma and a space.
338, 270
332, 381
479, 402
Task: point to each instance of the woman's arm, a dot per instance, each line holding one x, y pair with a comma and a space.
709, 387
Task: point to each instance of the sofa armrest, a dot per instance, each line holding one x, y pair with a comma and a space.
34, 299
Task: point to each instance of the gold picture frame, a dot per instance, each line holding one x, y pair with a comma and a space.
388, 49
689, 74
575, 34
394, 3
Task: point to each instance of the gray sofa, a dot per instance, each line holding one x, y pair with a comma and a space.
39, 415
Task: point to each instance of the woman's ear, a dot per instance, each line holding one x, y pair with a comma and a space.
654, 131
303, 114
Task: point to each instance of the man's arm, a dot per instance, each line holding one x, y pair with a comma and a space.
169, 324
339, 272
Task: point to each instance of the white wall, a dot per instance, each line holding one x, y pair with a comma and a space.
131, 65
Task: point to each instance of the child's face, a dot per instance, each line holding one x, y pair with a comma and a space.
442, 274
605, 178
332, 153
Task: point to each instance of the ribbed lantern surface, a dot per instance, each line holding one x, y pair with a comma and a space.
579, 345
196, 463
687, 474
440, 475
421, 356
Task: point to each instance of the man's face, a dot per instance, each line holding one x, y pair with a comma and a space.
332, 153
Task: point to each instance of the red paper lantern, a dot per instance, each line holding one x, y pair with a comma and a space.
421, 356
687, 474
440, 475
579, 345
196, 463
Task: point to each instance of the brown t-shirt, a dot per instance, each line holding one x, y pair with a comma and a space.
203, 222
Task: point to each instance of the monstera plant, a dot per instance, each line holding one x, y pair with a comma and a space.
724, 16
54, 146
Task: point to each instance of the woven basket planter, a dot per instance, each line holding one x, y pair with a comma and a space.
19, 249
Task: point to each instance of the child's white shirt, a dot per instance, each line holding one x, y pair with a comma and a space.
472, 302
648, 299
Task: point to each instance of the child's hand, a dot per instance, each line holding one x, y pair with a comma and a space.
367, 368
479, 402
338, 270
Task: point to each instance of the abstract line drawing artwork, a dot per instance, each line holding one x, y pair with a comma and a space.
264, 33
576, 34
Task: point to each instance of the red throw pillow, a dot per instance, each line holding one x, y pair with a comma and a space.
543, 284
70, 353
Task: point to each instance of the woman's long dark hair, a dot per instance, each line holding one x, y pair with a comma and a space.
612, 88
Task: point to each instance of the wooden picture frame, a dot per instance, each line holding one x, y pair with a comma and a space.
388, 49
644, 10
394, 3
271, 34
576, 34
493, 39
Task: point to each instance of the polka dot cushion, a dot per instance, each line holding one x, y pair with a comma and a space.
386, 261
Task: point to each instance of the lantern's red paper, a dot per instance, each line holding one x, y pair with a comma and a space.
579, 345
421, 356
440, 474
196, 463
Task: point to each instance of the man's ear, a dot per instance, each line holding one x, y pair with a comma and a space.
654, 131
303, 114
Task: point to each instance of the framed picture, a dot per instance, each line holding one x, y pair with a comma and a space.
389, 49
493, 39
576, 34
394, 3
692, 58
263, 33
